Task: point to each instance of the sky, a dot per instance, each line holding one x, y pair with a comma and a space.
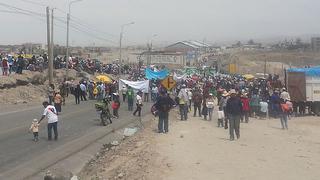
98, 22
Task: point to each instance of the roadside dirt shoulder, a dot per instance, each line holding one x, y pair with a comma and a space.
197, 150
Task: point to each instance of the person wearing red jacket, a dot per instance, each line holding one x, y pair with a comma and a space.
245, 107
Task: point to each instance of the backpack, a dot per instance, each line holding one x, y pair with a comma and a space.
285, 107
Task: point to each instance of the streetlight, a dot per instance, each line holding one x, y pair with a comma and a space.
68, 23
150, 48
121, 36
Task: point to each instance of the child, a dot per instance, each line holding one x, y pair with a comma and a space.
35, 129
116, 105
220, 117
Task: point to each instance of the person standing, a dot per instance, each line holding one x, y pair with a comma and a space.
190, 98
57, 101
210, 102
183, 103
163, 105
90, 90
234, 110
245, 108
77, 93
5, 67
130, 94
197, 100
255, 102
20, 63
83, 91
138, 104
284, 114
116, 105
51, 113
124, 92
51, 93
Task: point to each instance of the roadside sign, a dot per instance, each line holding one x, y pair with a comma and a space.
168, 83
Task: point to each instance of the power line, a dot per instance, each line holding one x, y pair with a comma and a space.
35, 3
20, 9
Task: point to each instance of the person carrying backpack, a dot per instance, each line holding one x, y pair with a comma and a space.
163, 105
285, 109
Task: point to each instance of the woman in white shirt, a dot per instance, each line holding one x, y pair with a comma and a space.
210, 101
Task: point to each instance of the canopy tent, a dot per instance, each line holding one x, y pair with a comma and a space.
248, 76
314, 71
150, 74
104, 78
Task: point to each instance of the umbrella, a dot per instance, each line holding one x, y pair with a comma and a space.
248, 76
104, 78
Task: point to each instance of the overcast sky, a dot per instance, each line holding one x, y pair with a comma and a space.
172, 20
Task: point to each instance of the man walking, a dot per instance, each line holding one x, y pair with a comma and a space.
138, 104
164, 105
197, 101
51, 113
83, 91
130, 95
234, 110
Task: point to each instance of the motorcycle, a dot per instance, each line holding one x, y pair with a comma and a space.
103, 109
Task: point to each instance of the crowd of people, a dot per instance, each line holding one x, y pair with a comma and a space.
231, 99
16, 64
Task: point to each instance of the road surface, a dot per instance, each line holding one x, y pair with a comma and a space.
78, 126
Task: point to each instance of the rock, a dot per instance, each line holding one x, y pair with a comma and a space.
38, 79
114, 143
74, 178
22, 81
129, 131
181, 136
120, 175
58, 174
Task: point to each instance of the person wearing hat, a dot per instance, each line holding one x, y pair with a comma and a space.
245, 107
183, 103
57, 101
285, 96
5, 67
210, 102
234, 111
163, 105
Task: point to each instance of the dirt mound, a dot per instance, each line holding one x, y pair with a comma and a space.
23, 94
30, 86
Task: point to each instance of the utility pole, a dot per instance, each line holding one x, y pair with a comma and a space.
67, 54
50, 64
52, 44
68, 23
265, 67
120, 42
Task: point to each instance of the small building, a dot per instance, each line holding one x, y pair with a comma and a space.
315, 44
169, 59
191, 50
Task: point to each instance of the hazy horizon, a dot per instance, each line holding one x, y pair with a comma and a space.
212, 21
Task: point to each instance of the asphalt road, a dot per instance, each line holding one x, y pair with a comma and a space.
75, 123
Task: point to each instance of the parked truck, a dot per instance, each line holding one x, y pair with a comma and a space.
303, 85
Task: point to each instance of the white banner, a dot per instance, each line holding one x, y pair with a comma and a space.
177, 78
136, 85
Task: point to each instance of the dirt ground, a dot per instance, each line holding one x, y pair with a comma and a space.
198, 150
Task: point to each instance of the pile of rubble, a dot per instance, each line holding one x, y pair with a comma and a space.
30, 86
